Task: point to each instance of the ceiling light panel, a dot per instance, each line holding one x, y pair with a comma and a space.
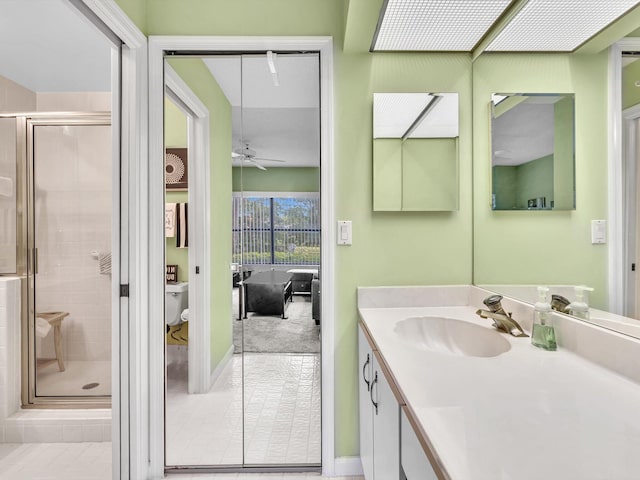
562, 26
446, 25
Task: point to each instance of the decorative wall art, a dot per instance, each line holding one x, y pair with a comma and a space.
176, 169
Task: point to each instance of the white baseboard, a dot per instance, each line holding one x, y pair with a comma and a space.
345, 466
221, 366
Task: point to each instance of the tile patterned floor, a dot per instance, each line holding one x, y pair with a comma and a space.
282, 413
55, 461
92, 461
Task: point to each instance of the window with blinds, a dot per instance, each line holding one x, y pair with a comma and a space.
276, 230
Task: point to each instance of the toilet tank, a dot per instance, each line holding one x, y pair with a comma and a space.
176, 300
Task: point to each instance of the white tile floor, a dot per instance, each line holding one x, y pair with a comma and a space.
282, 413
50, 381
92, 461
55, 461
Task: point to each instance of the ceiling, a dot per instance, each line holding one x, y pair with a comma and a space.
278, 122
48, 47
526, 132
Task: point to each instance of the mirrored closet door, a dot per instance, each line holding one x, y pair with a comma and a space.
262, 409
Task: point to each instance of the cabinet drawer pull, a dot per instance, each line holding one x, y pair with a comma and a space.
363, 375
375, 380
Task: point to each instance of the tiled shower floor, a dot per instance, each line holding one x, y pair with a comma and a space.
50, 381
282, 413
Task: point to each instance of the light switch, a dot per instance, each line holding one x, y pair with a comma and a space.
344, 232
598, 231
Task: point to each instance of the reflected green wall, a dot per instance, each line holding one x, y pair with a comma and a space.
175, 135
514, 185
199, 79
564, 154
280, 179
544, 247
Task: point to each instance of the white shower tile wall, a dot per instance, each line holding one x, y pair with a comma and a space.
9, 347
73, 223
35, 426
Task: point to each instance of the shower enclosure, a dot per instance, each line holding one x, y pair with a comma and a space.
63, 217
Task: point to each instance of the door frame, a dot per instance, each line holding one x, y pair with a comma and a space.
129, 431
158, 45
631, 150
621, 280
199, 195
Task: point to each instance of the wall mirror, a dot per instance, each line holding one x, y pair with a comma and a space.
415, 151
532, 151
514, 251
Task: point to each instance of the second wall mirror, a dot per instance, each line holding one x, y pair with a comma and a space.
532, 151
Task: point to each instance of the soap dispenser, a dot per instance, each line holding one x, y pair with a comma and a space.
543, 334
580, 306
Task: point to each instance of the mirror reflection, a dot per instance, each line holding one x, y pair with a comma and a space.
260, 401
532, 161
415, 151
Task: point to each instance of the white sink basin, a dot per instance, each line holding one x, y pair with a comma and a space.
456, 337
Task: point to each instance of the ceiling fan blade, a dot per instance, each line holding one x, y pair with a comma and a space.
236, 154
253, 162
269, 160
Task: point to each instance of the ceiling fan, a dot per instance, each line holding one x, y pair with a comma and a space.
248, 155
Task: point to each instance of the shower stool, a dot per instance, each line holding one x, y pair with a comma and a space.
55, 320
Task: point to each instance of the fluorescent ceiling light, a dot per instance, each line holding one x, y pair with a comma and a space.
394, 113
445, 25
441, 121
553, 25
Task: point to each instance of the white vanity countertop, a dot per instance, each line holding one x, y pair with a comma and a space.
525, 414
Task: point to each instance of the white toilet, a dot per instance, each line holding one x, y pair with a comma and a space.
176, 301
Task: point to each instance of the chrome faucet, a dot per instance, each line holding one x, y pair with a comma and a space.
560, 303
501, 319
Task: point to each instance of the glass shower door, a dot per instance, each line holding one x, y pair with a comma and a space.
70, 306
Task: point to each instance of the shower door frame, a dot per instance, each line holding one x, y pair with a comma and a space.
26, 125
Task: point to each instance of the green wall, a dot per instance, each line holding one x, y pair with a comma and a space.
437, 244
199, 79
280, 179
544, 247
535, 179
514, 185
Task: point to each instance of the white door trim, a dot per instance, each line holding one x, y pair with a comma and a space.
618, 280
129, 343
157, 46
198, 144
631, 148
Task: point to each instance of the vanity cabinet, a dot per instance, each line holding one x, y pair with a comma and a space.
379, 418
414, 461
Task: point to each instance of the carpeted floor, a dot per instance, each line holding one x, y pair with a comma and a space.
298, 333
